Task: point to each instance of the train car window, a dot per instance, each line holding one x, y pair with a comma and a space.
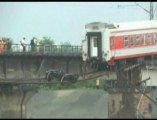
149, 39
126, 41
112, 42
155, 38
143, 40
131, 40
137, 39
95, 41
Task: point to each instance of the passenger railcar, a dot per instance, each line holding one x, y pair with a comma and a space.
121, 41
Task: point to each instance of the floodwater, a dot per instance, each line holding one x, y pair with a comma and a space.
152, 74
154, 106
68, 104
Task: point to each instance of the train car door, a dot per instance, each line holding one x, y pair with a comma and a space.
94, 46
94, 41
84, 50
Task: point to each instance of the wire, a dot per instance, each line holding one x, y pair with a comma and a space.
142, 8
147, 96
155, 9
140, 102
124, 5
143, 92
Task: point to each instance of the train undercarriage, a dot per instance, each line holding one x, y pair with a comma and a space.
98, 67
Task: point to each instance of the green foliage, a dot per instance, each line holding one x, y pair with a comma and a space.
65, 43
90, 84
46, 41
66, 47
9, 43
8, 40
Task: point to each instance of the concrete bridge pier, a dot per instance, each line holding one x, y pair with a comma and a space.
123, 104
13, 100
35, 67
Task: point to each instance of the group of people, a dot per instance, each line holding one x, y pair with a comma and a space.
32, 43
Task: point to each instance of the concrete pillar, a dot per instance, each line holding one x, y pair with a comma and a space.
81, 67
13, 101
4, 68
126, 80
53, 63
22, 66
67, 65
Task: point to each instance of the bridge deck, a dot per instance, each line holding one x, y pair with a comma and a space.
41, 50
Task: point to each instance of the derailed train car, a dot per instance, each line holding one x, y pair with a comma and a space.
122, 41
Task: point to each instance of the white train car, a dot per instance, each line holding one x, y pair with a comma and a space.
121, 41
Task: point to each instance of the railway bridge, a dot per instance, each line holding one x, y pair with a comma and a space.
18, 64
29, 66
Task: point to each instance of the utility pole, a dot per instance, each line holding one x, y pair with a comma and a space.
151, 11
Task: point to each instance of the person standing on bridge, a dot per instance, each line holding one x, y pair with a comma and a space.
23, 44
37, 43
32, 44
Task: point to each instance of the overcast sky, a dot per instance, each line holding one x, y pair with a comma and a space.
62, 21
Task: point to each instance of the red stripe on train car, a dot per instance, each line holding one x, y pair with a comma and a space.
134, 56
133, 30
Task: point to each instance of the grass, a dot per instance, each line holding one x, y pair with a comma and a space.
90, 84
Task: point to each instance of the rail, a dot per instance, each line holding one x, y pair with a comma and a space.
54, 50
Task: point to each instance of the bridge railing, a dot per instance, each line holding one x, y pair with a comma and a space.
56, 50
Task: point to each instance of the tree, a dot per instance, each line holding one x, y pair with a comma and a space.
65, 43
8, 42
45, 44
66, 47
46, 40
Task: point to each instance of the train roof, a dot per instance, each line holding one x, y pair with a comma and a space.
137, 25
96, 25
123, 26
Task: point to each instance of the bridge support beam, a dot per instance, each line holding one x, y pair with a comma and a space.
67, 65
13, 100
4, 68
23, 67
35, 67
124, 103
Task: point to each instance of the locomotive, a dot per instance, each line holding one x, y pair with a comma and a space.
112, 43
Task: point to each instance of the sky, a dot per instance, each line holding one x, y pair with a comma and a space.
62, 21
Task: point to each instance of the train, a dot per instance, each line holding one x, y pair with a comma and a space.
111, 43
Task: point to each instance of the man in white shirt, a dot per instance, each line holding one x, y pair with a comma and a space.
23, 44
